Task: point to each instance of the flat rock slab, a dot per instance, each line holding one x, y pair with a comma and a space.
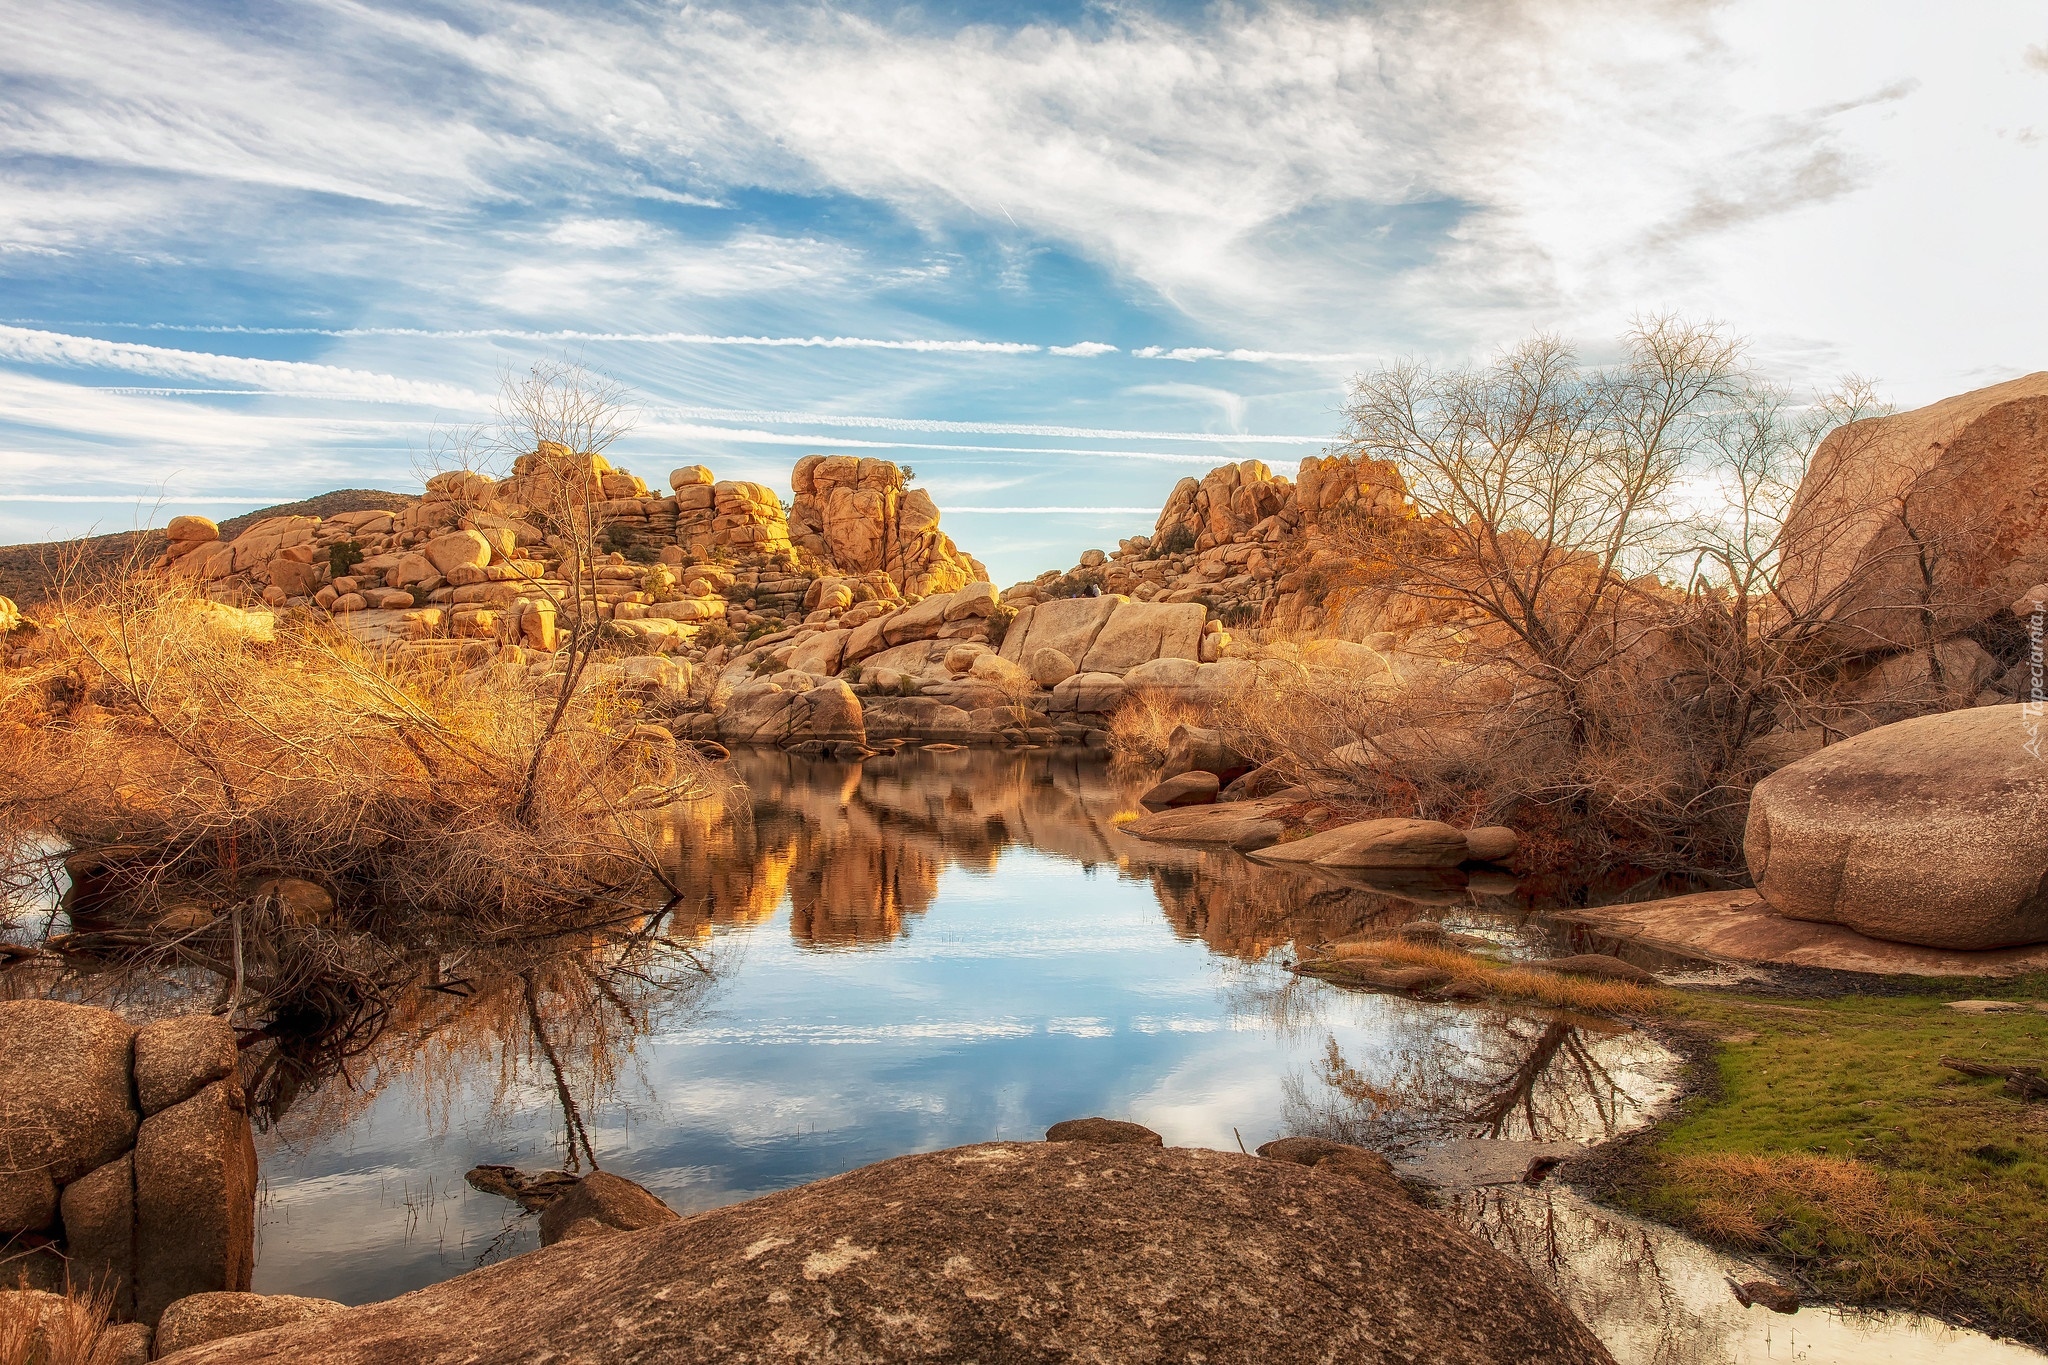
1468, 1163
997, 1252
1741, 927
1242, 825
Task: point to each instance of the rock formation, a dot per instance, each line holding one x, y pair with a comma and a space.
126, 1150
857, 515
1055, 1250
1931, 831
1916, 527
1255, 549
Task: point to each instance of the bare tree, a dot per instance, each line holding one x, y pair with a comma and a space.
549, 430
1540, 485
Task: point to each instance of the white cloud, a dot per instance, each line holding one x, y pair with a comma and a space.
1083, 348
27, 346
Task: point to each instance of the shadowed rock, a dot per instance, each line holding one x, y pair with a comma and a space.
1113, 1132
599, 1203
1003, 1251
199, 1318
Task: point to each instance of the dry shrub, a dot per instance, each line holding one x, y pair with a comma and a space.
195, 753
1500, 981
57, 1329
1141, 725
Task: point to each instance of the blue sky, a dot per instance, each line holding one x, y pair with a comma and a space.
252, 251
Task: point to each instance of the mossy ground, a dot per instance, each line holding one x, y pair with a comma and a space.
1831, 1138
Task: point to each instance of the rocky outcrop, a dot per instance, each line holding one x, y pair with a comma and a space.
859, 516
1254, 549
154, 1203
1931, 831
1057, 1250
1918, 526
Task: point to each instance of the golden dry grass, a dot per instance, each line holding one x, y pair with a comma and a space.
54, 1329
153, 724
1142, 724
1499, 981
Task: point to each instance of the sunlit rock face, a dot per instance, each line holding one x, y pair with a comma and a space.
1929, 520
858, 515
1258, 549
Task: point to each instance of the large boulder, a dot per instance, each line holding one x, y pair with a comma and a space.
1003, 1251
1188, 789
99, 1231
1139, 632
1069, 625
1196, 748
1931, 831
64, 1073
177, 1058
1242, 825
195, 1199
1940, 513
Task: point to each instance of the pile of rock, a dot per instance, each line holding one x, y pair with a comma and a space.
126, 1158
852, 675
858, 515
1253, 547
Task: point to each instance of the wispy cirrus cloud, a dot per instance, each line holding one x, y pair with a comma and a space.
27, 346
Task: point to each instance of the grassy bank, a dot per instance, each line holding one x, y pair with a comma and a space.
1829, 1137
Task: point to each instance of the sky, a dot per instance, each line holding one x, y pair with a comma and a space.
1055, 256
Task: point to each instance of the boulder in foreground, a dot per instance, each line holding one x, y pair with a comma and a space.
1003, 1251
1931, 831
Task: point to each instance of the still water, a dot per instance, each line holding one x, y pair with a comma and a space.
941, 948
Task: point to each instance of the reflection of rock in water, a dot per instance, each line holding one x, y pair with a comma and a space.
1482, 1073
1656, 1297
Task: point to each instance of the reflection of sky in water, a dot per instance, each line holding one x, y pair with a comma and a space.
1035, 994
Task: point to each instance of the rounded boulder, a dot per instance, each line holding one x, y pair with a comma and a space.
1002, 1251
1931, 831
64, 1070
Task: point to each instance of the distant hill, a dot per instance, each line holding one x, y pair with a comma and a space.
27, 571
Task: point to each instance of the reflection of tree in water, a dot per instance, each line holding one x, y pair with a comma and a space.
1648, 1293
562, 1012
1486, 1073
329, 1019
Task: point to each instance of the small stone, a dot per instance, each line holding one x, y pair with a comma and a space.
1986, 1006
601, 1202
1491, 843
1767, 1294
1112, 1132
298, 901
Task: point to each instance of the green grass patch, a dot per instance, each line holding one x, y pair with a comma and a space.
1839, 1143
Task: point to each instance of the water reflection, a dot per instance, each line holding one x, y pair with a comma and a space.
865, 960
1657, 1298
1494, 1074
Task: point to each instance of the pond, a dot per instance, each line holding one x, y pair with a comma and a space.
932, 949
